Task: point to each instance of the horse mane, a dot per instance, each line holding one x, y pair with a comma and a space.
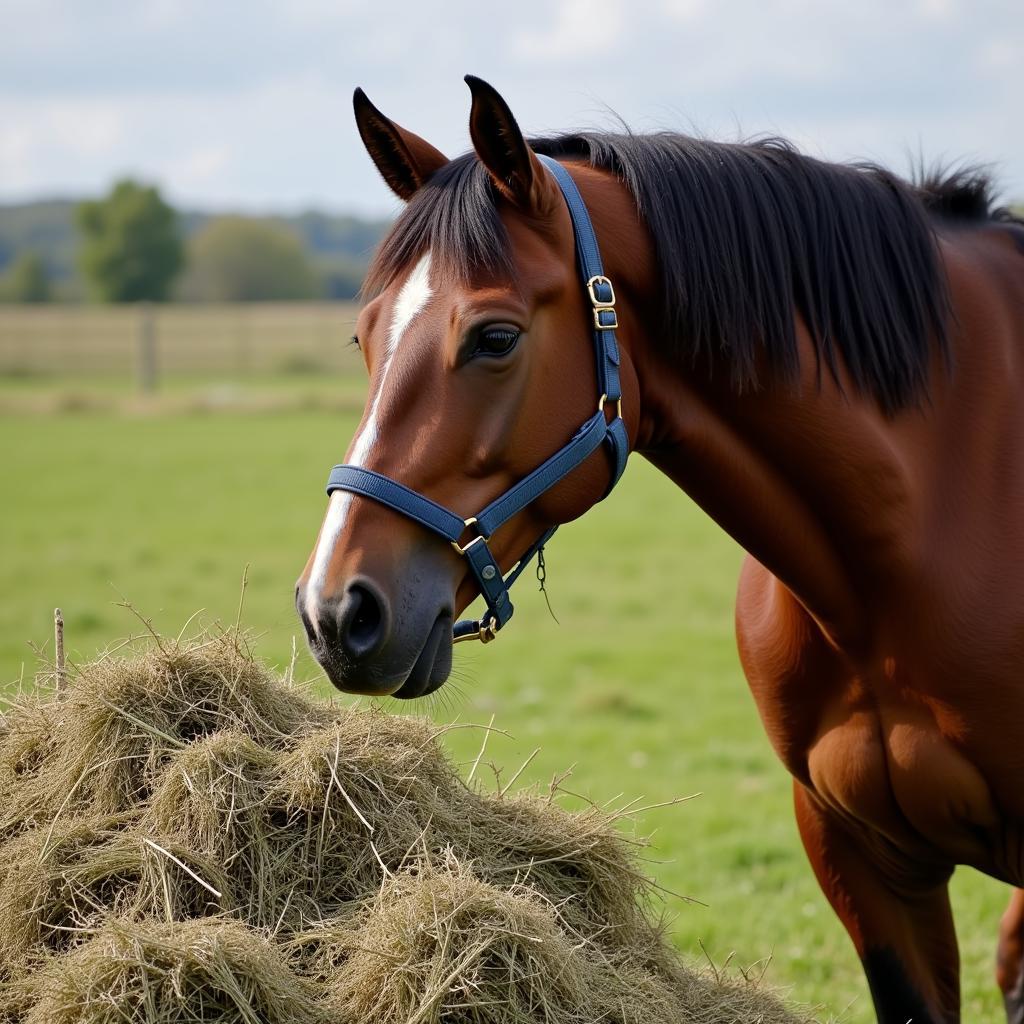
957, 193
748, 235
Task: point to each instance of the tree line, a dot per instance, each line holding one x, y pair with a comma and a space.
132, 245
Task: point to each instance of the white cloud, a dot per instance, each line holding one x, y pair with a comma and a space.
248, 104
315, 13
1001, 54
581, 30
938, 10
38, 138
685, 10
200, 168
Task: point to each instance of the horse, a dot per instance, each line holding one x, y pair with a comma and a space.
829, 360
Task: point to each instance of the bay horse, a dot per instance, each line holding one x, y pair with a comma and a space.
830, 361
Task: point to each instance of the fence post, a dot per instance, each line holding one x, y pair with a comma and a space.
146, 361
242, 361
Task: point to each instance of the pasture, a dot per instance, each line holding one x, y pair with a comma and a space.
164, 501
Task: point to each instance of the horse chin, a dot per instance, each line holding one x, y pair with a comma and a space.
434, 664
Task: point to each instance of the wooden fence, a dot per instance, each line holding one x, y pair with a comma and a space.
148, 342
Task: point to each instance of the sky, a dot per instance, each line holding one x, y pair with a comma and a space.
247, 105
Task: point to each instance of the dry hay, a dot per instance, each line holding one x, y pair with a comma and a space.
185, 838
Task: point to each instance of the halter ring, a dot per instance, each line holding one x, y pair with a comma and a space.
463, 548
616, 402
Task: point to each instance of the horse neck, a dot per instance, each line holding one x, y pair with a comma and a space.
812, 485
808, 477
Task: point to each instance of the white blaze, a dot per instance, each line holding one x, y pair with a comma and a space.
411, 299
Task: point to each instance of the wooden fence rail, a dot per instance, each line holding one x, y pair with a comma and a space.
146, 342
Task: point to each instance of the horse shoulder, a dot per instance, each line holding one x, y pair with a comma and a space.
793, 671
855, 734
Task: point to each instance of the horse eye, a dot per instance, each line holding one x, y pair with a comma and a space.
354, 340
496, 341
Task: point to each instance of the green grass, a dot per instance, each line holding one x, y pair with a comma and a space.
639, 686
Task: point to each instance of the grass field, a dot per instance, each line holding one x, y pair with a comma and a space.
639, 686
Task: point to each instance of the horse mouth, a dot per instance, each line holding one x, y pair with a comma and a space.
434, 664
371, 678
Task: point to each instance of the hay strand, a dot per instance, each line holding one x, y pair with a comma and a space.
60, 666
184, 867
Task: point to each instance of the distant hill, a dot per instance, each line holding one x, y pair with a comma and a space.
46, 227
338, 245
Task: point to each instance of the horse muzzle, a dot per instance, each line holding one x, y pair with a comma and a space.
368, 643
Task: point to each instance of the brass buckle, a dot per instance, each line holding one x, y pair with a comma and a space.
595, 301
485, 634
601, 305
462, 549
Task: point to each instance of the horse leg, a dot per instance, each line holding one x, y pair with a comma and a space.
896, 912
1010, 958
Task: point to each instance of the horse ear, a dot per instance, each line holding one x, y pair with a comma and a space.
499, 143
404, 160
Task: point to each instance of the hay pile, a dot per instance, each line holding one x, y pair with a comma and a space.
185, 838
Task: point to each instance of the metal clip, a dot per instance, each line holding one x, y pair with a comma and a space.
617, 402
462, 549
486, 632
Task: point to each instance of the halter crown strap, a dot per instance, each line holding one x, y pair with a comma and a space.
599, 288
591, 435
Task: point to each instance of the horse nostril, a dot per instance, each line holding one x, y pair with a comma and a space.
366, 620
361, 620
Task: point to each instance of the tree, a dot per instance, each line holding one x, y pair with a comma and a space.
27, 280
131, 248
240, 259
341, 278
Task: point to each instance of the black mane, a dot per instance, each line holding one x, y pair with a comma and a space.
747, 236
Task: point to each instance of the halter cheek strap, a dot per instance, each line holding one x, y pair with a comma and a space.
591, 435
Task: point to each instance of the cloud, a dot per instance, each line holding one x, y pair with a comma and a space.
938, 10
200, 167
41, 136
251, 148
248, 104
581, 30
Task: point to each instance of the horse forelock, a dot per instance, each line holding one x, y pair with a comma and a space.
454, 216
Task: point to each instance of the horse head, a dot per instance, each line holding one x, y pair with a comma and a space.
478, 341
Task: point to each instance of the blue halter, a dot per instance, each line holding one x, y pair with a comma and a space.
596, 431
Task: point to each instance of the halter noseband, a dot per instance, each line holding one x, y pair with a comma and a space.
596, 431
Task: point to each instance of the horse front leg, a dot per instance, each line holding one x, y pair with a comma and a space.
895, 910
1010, 958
